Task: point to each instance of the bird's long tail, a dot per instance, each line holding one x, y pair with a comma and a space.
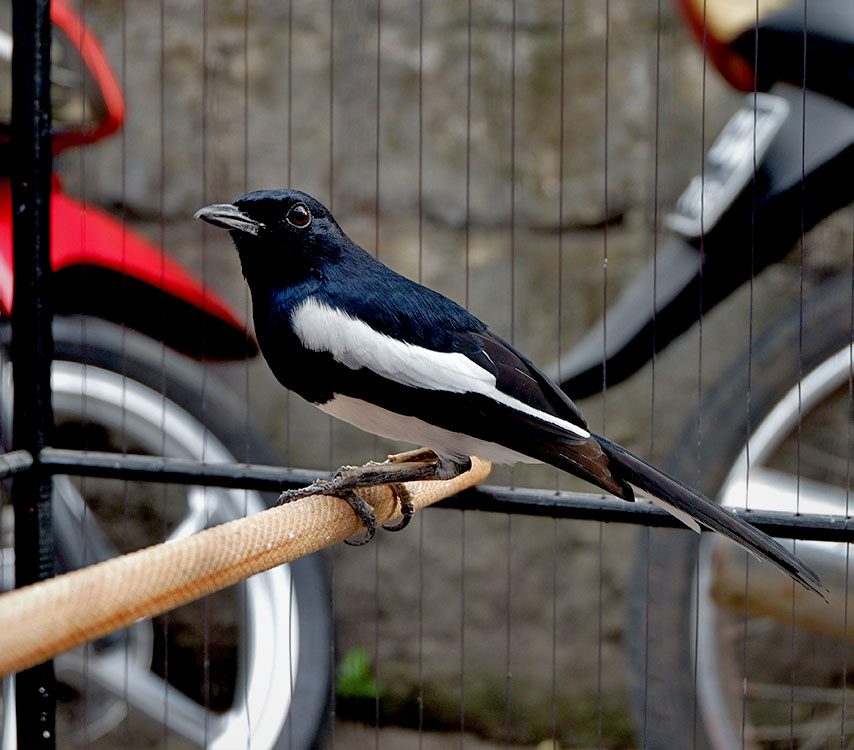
687, 504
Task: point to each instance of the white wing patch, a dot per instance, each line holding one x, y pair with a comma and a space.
356, 345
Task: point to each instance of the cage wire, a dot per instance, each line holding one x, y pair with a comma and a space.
521, 159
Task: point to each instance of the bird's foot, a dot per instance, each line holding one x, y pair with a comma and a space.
340, 480
334, 487
422, 464
404, 499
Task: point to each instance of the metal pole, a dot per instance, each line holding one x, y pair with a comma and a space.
584, 506
32, 340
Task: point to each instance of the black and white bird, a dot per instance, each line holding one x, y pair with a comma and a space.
394, 358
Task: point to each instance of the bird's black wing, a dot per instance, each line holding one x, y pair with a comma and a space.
520, 378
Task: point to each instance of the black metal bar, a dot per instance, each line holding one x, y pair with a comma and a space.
32, 342
592, 507
576, 505
14, 462
174, 470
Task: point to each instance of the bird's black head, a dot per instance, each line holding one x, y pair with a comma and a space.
278, 231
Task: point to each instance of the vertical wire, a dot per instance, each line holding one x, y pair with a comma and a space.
288, 402
561, 176
655, 219
696, 644
331, 105
467, 229
600, 538
850, 445
243, 588
290, 121
333, 613
84, 402
509, 531
508, 650
513, 176
605, 149
330, 420
377, 83
377, 544
206, 651
749, 417
123, 346
554, 633
161, 220
462, 628
376, 645
420, 278
421, 523
801, 251
289, 178
420, 141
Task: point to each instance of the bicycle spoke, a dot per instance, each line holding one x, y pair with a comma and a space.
143, 690
200, 513
79, 535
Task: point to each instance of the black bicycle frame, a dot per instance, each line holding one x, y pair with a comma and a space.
805, 176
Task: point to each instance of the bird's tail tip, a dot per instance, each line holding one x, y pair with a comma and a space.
694, 510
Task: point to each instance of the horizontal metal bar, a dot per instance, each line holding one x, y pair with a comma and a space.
548, 503
594, 507
14, 462
174, 470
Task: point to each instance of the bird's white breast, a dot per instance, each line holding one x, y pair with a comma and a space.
374, 419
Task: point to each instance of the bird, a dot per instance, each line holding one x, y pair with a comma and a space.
374, 348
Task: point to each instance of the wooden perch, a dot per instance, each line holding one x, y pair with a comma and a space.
39, 621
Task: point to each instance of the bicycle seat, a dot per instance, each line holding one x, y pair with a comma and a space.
760, 44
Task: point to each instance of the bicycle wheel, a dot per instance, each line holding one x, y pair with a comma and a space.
249, 666
725, 653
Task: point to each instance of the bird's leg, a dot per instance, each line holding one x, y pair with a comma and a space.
373, 474
401, 494
399, 468
419, 454
444, 468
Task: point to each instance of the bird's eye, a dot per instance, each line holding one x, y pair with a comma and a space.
299, 216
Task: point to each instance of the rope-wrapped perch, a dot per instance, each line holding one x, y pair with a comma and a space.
40, 621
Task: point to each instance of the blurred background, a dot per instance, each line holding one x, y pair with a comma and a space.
517, 157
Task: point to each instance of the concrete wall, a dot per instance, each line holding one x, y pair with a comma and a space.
220, 102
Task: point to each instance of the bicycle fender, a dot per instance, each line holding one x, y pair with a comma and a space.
103, 268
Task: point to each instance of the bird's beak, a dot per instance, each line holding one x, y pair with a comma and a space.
228, 216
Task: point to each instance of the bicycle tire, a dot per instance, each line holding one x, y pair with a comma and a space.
661, 605
133, 356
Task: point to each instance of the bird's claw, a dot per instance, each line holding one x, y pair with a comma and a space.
404, 498
365, 513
